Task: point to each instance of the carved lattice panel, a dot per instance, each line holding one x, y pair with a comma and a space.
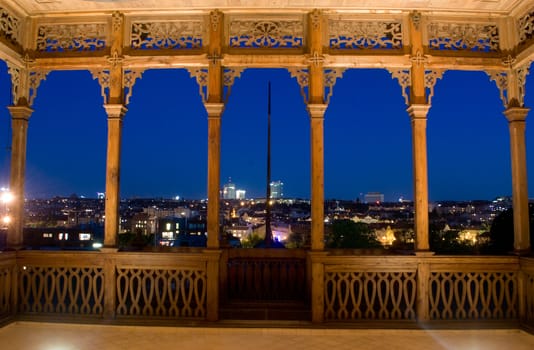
345, 34
473, 295
463, 37
266, 33
9, 26
166, 35
71, 37
370, 295
174, 293
65, 290
5, 290
525, 25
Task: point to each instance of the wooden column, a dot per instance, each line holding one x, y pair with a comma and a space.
317, 175
418, 114
316, 109
115, 114
423, 292
517, 121
212, 292
315, 259
214, 106
20, 116
110, 284
418, 111
214, 171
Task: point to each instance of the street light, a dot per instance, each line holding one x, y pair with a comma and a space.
6, 197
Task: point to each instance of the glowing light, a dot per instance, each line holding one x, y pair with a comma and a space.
7, 197
97, 245
6, 219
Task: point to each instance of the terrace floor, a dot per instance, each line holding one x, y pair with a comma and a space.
60, 336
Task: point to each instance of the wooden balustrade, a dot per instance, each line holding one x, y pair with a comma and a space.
7, 281
187, 285
474, 288
422, 288
161, 286
108, 285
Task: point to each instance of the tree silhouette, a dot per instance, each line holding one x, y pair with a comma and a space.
350, 234
502, 231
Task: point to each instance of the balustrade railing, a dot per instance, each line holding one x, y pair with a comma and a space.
7, 270
188, 285
352, 288
165, 289
132, 285
475, 290
369, 295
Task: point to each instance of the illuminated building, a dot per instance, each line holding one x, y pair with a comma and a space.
277, 189
374, 197
229, 191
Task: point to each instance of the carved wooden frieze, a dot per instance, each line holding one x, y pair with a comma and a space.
71, 37
525, 25
351, 34
9, 26
166, 35
267, 33
473, 37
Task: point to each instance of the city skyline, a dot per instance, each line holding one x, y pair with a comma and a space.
367, 137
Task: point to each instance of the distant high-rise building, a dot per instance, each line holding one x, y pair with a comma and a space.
229, 190
374, 197
277, 189
240, 194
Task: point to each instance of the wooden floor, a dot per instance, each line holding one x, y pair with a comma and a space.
58, 336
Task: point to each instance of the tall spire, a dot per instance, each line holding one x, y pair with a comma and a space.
268, 241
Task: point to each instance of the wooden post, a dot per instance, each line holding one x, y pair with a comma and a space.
20, 116
212, 295
14, 291
517, 122
317, 285
316, 109
214, 106
522, 292
418, 111
316, 112
418, 115
110, 285
214, 171
115, 115
423, 292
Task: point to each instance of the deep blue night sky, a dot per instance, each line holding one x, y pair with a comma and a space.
367, 137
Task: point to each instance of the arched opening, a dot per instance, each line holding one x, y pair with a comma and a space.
68, 122
164, 138
244, 153
368, 165
468, 161
163, 165
5, 125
